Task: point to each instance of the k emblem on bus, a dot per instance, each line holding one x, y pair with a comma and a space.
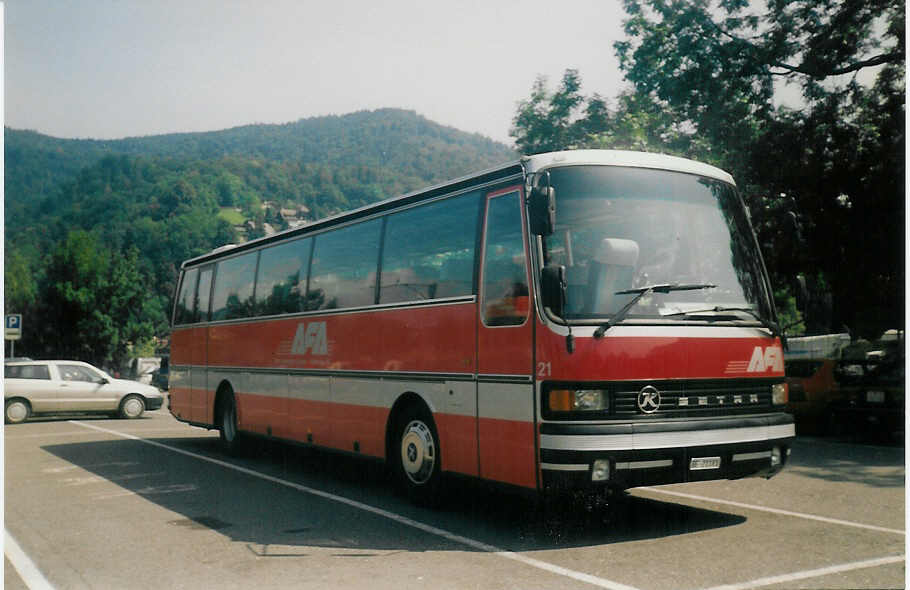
649, 399
310, 338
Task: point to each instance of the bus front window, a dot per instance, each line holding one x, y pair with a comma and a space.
621, 229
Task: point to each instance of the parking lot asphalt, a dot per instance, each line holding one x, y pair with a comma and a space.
152, 503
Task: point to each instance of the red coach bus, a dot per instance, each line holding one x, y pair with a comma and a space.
572, 320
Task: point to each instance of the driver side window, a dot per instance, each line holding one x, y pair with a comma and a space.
77, 373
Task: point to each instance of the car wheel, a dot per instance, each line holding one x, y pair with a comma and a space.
132, 406
17, 410
231, 439
417, 459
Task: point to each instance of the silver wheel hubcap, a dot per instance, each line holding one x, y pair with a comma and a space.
418, 452
132, 407
16, 412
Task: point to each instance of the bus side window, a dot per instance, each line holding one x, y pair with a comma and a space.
183, 308
281, 285
203, 295
234, 282
428, 252
505, 282
343, 270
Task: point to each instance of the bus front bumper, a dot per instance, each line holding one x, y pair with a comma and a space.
632, 454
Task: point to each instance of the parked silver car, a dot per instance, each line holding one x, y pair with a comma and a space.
47, 387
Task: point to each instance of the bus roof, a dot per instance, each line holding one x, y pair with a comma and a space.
540, 162
511, 170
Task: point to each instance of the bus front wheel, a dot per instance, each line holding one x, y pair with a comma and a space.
417, 455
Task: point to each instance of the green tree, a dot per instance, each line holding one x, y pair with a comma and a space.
837, 162
567, 119
20, 281
548, 121
94, 302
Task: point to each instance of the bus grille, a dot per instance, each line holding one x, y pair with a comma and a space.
695, 398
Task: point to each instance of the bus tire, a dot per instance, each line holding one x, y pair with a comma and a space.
231, 439
416, 455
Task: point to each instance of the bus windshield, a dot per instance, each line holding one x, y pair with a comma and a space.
625, 229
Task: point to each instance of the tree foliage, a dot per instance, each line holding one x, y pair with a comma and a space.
93, 301
567, 119
824, 180
837, 161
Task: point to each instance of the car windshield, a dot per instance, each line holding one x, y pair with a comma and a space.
621, 229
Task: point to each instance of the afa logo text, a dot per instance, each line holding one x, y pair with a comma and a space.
768, 359
310, 338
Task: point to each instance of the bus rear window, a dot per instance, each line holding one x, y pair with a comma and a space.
183, 309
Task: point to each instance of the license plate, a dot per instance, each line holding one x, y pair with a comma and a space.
875, 397
699, 463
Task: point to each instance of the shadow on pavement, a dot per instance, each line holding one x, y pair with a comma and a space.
278, 516
841, 460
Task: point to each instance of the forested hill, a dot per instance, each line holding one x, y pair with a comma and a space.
326, 164
81, 214
395, 138
399, 141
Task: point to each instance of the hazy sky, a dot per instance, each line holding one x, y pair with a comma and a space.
119, 68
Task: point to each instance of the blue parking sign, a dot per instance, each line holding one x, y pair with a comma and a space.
13, 326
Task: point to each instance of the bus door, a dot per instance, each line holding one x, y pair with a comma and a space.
199, 407
505, 391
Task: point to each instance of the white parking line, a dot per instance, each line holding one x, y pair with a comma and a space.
859, 525
26, 568
478, 545
9, 436
817, 573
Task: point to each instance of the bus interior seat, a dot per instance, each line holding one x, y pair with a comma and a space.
576, 283
612, 269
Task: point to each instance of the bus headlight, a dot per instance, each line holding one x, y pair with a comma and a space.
578, 400
779, 394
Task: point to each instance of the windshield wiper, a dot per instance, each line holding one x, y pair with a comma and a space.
641, 292
773, 326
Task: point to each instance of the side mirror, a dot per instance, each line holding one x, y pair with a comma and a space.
542, 210
553, 288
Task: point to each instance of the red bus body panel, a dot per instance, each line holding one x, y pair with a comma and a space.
656, 357
420, 340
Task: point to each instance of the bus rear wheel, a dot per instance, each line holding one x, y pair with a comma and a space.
231, 439
417, 460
